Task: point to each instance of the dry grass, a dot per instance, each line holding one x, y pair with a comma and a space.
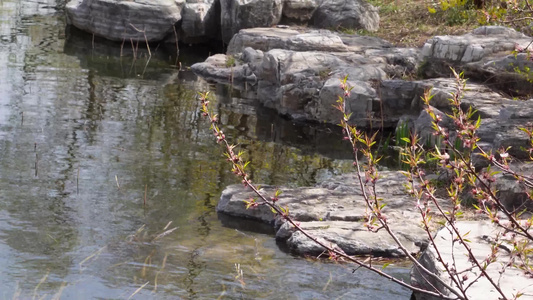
408, 23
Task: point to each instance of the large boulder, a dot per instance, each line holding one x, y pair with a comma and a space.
512, 282
299, 10
352, 237
512, 193
334, 211
266, 39
484, 55
359, 103
239, 14
298, 73
474, 46
200, 21
353, 14
125, 20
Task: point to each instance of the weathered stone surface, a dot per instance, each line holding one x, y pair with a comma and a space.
200, 21
509, 73
513, 194
474, 46
288, 80
358, 103
239, 14
303, 84
512, 281
501, 118
299, 10
484, 55
334, 211
266, 39
356, 14
218, 68
423, 126
122, 20
353, 238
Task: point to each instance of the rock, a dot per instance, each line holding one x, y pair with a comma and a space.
219, 68
266, 39
512, 193
122, 20
334, 211
474, 46
282, 71
510, 73
353, 238
240, 14
482, 99
511, 282
501, 118
358, 103
232, 203
424, 128
200, 21
479, 55
352, 14
510, 136
360, 43
299, 10
293, 83
293, 68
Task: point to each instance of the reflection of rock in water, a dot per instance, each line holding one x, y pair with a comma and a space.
246, 225
241, 109
117, 59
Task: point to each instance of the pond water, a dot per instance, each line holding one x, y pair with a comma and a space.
88, 135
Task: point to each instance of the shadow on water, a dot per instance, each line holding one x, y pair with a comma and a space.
245, 224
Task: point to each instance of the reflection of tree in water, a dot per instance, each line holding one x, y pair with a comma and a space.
195, 267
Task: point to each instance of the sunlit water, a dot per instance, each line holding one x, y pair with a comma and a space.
87, 136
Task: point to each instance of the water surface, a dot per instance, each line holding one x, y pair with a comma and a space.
109, 177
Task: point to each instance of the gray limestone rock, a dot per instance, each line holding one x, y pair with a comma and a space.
512, 281
353, 238
266, 39
356, 14
358, 103
474, 46
334, 211
299, 10
219, 68
240, 14
124, 20
483, 55
200, 21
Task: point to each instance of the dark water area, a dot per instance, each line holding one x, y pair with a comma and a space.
87, 135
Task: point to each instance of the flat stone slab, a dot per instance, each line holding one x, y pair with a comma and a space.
512, 281
266, 39
481, 42
125, 20
334, 211
353, 238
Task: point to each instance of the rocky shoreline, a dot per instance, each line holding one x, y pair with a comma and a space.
297, 72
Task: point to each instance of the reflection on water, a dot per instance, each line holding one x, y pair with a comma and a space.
109, 177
